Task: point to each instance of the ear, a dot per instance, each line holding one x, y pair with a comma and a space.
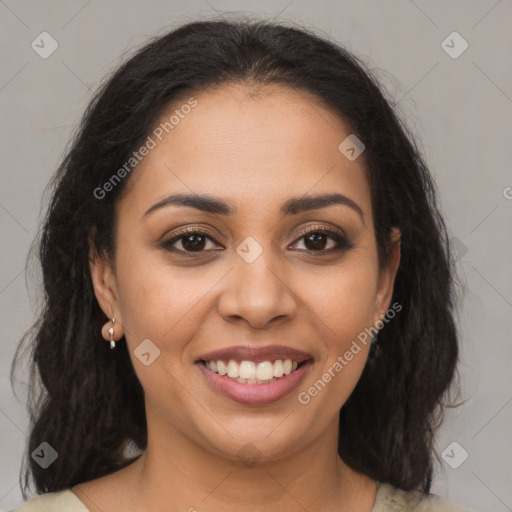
104, 283
387, 275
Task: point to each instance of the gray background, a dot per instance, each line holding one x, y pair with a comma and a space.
459, 108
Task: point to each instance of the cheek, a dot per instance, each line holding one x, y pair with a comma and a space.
344, 310
160, 302
343, 301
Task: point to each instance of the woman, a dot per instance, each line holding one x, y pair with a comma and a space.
248, 282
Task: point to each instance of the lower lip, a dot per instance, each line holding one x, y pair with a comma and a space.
255, 394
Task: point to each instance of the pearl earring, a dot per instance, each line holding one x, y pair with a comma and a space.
111, 332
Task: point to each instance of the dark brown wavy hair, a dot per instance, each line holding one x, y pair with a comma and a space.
86, 401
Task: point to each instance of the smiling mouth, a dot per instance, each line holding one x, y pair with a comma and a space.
253, 372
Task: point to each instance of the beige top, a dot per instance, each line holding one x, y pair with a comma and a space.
388, 499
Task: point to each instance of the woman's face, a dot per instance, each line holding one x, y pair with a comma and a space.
250, 278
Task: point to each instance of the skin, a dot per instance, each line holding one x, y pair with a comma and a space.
254, 148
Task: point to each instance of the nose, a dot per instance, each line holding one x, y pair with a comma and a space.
257, 293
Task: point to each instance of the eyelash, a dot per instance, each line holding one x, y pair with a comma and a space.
342, 242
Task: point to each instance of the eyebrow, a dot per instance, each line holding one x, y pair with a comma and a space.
292, 206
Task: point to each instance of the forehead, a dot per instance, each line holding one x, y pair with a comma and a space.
250, 145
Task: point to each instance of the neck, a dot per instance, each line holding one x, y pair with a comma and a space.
193, 478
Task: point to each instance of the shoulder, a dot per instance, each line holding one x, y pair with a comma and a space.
391, 499
61, 501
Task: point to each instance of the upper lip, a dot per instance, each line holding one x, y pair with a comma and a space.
256, 353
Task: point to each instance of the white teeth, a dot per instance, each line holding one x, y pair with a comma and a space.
264, 370
249, 372
221, 368
278, 368
233, 369
254, 381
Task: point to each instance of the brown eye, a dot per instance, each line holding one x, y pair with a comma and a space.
191, 241
316, 241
